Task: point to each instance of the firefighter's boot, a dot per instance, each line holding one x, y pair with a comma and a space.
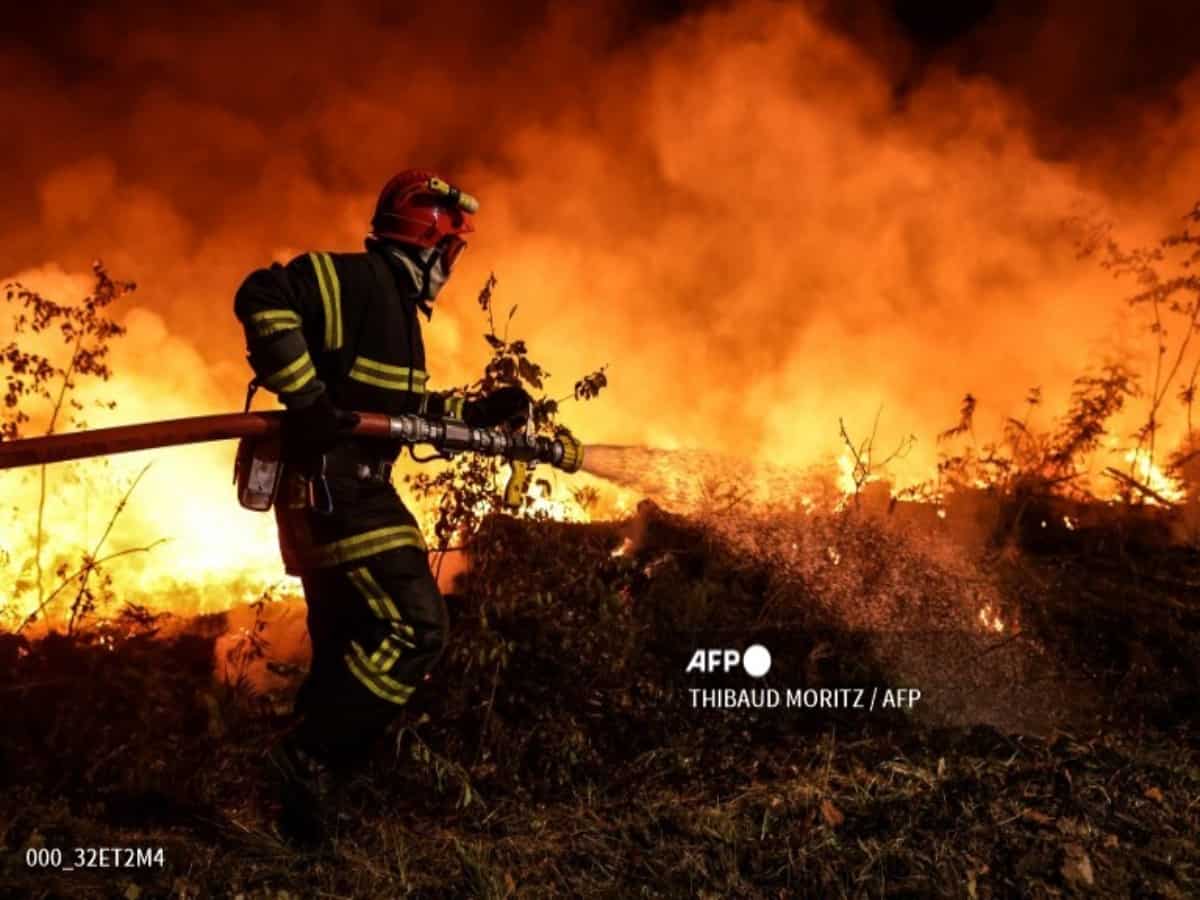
307, 791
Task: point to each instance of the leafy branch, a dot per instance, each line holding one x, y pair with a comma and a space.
1169, 288
467, 490
87, 330
865, 468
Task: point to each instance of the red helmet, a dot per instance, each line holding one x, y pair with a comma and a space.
419, 208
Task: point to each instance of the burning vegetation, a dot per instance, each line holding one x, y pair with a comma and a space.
778, 349
1048, 620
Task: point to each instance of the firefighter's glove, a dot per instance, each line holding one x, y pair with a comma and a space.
508, 405
309, 431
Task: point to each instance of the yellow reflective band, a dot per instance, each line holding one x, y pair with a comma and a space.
377, 598
398, 694
275, 315
266, 329
271, 321
392, 378
331, 298
369, 543
376, 682
454, 407
388, 653
293, 376
381, 606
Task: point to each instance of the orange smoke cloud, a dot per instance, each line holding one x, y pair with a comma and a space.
732, 209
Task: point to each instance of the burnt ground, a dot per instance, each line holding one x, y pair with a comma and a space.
558, 753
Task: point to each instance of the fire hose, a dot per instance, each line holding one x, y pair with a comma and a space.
447, 436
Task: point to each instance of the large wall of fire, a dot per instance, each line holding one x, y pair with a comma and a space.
761, 218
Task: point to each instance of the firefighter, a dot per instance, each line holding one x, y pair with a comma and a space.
330, 333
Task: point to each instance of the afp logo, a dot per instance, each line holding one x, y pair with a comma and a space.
756, 660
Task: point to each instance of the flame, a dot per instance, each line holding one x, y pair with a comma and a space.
623, 548
1149, 474
180, 540
990, 619
732, 209
845, 478
204, 556
555, 501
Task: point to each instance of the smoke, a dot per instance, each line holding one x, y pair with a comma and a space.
762, 218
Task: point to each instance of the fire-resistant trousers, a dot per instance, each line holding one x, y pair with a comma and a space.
376, 625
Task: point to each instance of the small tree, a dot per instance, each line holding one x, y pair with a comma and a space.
40, 383
1026, 463
1168, 287
1030, 463
865, 467
468, 490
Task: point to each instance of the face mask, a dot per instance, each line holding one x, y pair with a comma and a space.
424, 268
436, 274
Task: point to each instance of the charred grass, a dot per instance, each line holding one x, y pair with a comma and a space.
557, 753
